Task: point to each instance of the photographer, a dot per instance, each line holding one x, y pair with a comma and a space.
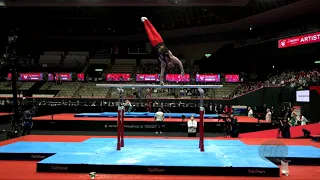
234, 133
285, 129
226, 126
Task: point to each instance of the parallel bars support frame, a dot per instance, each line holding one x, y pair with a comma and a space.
120, 126
201, 123
121, 108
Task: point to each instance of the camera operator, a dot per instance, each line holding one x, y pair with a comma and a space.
234, 133
27, 123
226, 125
285, 129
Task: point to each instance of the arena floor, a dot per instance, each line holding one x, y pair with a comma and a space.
27, 169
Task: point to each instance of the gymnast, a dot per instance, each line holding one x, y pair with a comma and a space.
128, 103
164, 54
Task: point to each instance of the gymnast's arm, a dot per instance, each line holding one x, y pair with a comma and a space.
163, 70
175, 60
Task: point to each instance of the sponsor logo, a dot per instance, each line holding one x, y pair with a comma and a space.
37, 157
256, 171
279, 160
134, 126
299, 40
282, 43
156, 170
61, 168
273, 150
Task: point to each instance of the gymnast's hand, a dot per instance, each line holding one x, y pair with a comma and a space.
182, 73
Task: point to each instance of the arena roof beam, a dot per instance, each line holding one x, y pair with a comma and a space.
176, 86
43, 3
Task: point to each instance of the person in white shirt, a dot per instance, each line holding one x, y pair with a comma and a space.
268, 115
250, 112
303, 120
192, 127
159, 118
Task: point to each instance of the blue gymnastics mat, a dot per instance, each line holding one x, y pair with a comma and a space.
144, 115
158, 156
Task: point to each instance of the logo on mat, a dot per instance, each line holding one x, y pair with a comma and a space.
37, 157
256, 171
61, 168
156, 170
273, 150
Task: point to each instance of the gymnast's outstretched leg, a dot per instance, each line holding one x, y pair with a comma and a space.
153, 35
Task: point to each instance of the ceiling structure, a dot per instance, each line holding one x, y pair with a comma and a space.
112, 3
122, 19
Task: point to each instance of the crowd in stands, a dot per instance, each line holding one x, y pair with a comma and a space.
295, 79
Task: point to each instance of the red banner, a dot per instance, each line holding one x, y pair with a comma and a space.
118, 77
9, 77
232, 78
178, 78
80, 76
299, 40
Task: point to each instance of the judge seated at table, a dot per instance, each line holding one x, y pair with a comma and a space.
192, 127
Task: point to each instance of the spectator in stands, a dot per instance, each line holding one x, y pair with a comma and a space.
294, 79
192, 127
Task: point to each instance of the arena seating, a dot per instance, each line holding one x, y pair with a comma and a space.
123, 66
90, 90
66, 89
21, 85
95, 64
74, 61
51, 59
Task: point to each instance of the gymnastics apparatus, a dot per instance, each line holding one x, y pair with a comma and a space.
121, 109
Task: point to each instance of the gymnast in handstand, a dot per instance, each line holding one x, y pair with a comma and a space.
129, 105
164, 54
